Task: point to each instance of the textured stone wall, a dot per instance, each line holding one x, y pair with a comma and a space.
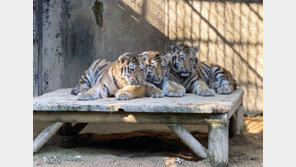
70, 34
229, 33
71, 37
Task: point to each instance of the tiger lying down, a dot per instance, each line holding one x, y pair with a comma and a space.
155, 75
198, 77
123, 79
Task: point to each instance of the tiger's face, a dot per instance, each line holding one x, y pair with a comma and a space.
156, 66
183, 59
132, 69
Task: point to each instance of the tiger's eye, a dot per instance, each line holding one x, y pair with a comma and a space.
162, 63
131, 66
141, 66
181, 55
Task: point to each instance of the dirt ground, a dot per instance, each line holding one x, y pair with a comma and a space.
148, 149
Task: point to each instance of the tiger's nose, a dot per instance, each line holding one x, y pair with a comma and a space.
183, 70
159, 77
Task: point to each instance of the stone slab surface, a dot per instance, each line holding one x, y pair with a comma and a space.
62, 100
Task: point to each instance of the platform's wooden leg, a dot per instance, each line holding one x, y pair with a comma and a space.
45, 135
236, 122
189, 140
218, 144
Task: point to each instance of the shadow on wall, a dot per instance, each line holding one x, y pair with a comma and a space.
229, 33
123, 30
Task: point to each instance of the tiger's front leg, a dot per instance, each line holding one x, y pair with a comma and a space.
153, 91
173, 89
201, 88
96, 92
130, 92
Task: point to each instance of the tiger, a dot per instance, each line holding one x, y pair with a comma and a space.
197, 77
123, 79
156, 73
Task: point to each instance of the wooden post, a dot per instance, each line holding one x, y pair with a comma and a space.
45, 135
218, 144
189, 140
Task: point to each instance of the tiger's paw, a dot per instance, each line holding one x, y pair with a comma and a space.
157, 94
85, 96
224, 90
206, 92
75, 91
216, 85
179, 92
122, 96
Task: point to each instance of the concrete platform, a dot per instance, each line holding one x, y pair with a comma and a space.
222, 113
62, 100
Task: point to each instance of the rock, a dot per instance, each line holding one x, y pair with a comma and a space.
179, 160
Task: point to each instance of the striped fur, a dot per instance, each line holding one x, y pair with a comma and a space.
156, 73
198, 77
91, 76
156, 66
123, 79
216, 77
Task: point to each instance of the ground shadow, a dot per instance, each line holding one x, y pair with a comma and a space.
140, 143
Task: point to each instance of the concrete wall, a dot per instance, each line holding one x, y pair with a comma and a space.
71, 39
69, 36
229, 33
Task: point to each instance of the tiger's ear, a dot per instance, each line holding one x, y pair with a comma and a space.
174, 48
124, 57
195, 49
167, 57
143, 56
